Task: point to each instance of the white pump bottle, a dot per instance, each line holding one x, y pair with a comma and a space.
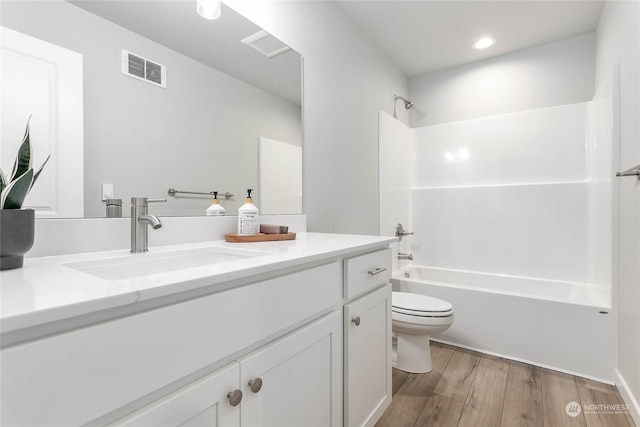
215, 208
248, 217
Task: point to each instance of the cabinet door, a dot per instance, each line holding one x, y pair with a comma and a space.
201, 403
367, 357
301, 378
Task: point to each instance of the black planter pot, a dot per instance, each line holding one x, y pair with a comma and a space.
16, 236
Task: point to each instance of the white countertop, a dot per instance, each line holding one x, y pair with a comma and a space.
46, 290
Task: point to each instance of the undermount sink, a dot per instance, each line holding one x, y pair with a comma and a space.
147, 263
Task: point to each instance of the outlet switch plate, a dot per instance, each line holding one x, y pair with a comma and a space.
107, 191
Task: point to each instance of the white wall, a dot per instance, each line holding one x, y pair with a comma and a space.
618, 41
543, 76
346, 82
199, 134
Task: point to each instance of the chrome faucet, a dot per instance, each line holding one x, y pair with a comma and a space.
405, 256
140, 218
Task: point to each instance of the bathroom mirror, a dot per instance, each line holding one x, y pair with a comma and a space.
228, 84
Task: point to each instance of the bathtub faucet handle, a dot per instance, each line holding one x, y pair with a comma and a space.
400, 232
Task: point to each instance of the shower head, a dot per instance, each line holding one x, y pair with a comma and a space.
407, 104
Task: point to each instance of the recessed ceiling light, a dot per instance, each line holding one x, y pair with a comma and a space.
208, 9
484, 43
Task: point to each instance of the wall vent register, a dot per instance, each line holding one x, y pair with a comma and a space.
140, 68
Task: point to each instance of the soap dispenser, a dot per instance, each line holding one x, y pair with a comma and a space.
215, 208
248, 221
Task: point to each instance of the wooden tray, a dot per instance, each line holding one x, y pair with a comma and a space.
236, 238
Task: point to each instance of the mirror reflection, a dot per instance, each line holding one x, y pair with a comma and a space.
193, 123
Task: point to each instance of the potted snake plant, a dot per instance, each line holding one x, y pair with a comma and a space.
17, 224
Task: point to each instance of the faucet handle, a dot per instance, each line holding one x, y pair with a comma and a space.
142, 201
400, 232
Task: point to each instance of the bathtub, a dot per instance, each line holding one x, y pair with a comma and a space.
560, 325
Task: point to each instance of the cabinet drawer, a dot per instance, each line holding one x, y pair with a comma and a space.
366, 272
74, 378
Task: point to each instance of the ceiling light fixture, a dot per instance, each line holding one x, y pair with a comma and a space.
484, 43
209, 9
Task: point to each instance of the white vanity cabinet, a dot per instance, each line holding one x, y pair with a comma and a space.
93, 374
275, 345
294, 381
367, 338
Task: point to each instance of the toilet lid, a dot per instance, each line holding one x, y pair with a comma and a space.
409, 303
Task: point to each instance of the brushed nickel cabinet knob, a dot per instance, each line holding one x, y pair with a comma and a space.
255, 384
234, 397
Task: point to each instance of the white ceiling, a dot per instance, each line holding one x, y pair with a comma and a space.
422, 36
419, 36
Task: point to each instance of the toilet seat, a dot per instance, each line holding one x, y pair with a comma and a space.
419, 305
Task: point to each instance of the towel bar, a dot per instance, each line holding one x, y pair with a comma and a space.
173, 192
634, 171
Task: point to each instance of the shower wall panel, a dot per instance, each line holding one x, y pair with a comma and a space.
505, 194
533, 230
539, 146
602, 161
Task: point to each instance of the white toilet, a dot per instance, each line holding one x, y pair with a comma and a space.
414, 319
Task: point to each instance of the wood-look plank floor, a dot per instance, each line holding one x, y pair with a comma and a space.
467, 388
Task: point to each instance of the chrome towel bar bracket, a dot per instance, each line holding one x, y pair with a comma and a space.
634, 171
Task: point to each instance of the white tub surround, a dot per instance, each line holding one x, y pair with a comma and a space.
146, 346
519, 194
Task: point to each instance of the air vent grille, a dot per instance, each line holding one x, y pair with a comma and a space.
266, 44
143, 69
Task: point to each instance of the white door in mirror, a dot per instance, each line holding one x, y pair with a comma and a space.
44, 81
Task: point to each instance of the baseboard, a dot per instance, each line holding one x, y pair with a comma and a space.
629, 398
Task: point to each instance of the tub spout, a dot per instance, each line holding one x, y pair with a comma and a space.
405, 256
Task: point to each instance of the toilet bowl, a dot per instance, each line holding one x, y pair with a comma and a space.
414, 319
